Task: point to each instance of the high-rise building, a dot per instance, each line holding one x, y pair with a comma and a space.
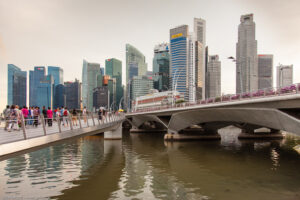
44, 92
113, 68
135, 66
191, 73
200, 55
73, 94
214, 77
140, 86
90, 72
265, 71
179, 59
246, 56
57, 74
101, 97
59, 96
112, 93
161, 67
35, 77
16, 85
284, 75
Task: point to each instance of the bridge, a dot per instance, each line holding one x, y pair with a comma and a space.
270, 110
27, 136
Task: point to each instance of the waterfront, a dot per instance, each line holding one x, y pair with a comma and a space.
143, 166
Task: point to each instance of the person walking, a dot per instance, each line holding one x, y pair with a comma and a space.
74, 117
100, 113
84, 114
6, 115
25, 114
13, 119
36, 116
62, 110
49, 116
44, 112
65, 116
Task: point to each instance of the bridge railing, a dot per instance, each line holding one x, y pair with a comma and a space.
21, 128
262, 93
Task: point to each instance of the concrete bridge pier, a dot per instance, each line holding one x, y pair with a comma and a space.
192, 134
260, 133
114, 134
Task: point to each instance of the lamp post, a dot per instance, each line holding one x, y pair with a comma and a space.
238, 63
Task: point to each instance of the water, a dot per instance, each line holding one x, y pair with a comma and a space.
143, 166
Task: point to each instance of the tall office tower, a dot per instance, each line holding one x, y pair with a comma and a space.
140, 86
265, 71
112, 93
59, 96
16, 85
200, 55
101, 97
246, 56
113, 68
44, 92
214, 77
57, 73
73, 94
135, 66
191, 70
161, 67
284, 75
35, 77
206, 63
179, 59
90, 72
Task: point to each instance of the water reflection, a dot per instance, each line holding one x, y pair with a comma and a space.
142, 166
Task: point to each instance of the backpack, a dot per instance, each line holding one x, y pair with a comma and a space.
65, 113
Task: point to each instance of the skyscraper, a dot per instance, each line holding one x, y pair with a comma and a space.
246, 56
135, 66
284, 75
113, 68
179, 59
191, 73
44, 92
90, 72
57, 74
161, 67
200, 55
35, 77
16, 85
214, 77
112, 93
73, 94
140, 86
265, 71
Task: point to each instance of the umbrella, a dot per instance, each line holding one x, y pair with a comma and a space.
121, 110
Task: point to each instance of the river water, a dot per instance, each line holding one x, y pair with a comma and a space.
143, 166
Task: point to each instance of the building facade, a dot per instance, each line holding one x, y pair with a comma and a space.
101, 97
179, 59
16, 85
35, 77
246, 56
161, 67
214, 77
73, 94
284, 75
200, 55
265, 71
112, 94
59, 96
113, 68
90, 72
44, 92
140, 86
58, 77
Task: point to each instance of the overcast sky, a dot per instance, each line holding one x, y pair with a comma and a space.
64, 32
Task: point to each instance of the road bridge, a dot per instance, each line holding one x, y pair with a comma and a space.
276, 111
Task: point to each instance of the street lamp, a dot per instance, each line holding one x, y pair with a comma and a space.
238, 63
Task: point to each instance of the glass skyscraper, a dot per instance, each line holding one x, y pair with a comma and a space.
44, 92
73, 94
161, 67
16, 85
57, 74
135, 66
90, 72
214, 77
35, 77
265, 71
113, 68
179, 59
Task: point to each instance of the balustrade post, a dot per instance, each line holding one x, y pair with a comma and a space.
58, 123
23, 127
98, 119
297, 88
93, 119
79, 119
43, 124
71, 121
87, 119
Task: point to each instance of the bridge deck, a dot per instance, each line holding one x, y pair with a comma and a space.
12, 142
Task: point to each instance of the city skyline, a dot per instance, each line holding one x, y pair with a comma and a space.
268, 35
